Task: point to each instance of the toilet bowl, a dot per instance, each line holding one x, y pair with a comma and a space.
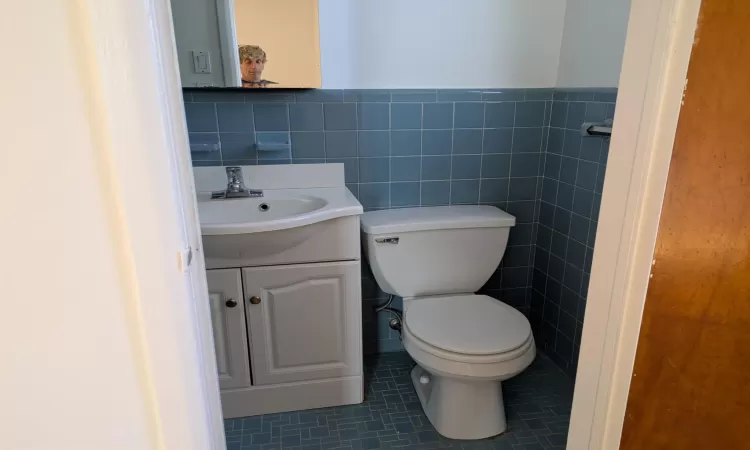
462, 357
464, 344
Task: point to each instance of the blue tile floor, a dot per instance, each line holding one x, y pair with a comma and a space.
537, 404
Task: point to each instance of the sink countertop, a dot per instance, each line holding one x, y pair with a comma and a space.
295, 195
288, 208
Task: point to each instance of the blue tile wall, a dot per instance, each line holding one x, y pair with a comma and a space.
571, 191
518, 149
400, 148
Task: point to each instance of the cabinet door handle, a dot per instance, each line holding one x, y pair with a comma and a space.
230, 303
254, 300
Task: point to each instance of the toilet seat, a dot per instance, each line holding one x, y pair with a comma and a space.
493, 366
467, 325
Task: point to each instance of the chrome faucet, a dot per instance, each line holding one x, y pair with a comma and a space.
235, 180
236, 186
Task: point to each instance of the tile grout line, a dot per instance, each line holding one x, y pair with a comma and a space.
588, 232
390, 165
390, 161
510, 169
421, 151
544, 307
289, 132
567, 242
218, 132
542, 167
450, 174
356, 135
481, 153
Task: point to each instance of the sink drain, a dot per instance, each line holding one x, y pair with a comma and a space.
264, 207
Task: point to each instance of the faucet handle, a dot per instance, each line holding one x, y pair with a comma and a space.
235, 180
234, 173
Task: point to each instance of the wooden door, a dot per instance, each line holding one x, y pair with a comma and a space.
307, 325
691, 381
230, 331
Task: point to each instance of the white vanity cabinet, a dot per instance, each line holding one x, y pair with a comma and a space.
303, 327
285, 287
289, 336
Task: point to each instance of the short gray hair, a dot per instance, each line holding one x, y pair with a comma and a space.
251, 52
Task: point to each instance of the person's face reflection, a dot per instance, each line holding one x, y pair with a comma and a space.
252, 69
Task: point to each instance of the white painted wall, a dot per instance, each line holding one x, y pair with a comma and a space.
593, 43
443, 43
440, 43
96, 353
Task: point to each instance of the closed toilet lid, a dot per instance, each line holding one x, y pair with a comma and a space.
467, 324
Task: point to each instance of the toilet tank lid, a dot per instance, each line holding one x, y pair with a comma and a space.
435, 218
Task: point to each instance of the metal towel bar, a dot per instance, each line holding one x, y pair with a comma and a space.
603, 129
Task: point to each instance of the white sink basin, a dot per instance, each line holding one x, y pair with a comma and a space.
276, 210
248, 228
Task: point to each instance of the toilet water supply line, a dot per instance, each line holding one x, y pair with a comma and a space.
395, 323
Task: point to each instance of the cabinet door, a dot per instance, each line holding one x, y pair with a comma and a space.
230, 332
307, 324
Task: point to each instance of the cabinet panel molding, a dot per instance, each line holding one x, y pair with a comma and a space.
307, 325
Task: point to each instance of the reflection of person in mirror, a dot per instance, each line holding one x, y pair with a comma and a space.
252, 61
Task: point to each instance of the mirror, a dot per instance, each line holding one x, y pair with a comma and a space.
247, 43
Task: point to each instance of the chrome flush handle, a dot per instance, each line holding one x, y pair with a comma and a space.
388, 240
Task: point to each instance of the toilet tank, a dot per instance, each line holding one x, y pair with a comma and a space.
415, 252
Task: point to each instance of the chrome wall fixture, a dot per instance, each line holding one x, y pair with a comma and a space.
603, 129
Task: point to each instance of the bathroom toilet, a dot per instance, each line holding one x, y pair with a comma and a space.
464, 344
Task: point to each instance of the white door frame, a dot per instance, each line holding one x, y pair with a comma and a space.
652, 81
132, 74
150, 163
